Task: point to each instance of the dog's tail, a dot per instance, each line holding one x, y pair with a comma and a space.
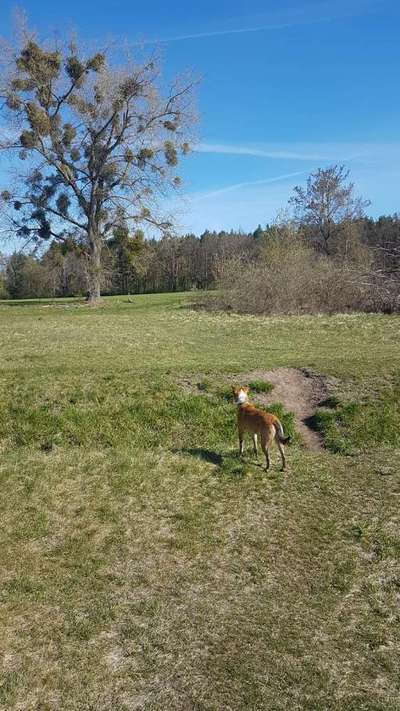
279, 432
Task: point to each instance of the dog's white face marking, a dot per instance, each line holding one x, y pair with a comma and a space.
241, 397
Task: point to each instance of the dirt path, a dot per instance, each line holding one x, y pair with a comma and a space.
299, 390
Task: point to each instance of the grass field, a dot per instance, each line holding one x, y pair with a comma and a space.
142, 564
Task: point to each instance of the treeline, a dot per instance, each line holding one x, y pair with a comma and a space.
326, 255
132, 264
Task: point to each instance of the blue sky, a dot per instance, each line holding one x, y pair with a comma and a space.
286, 87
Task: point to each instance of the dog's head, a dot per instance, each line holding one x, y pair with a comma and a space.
240, 394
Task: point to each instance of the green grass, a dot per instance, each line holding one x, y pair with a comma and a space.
360, 426
143, 563
260, 386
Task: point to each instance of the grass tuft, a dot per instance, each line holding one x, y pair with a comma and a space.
204, 385
260, 386
332, 401
225, 393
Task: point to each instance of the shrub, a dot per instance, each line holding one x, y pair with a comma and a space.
3, 289
292, 278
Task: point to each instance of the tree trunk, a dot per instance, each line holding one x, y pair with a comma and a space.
94, 270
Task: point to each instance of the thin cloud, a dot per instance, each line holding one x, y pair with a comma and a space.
218, 33
240, 186
319, 152
325, 14
258, 152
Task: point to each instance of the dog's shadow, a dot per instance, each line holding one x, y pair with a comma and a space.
229, 464
207, 455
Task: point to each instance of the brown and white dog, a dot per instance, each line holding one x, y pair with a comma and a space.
258, 422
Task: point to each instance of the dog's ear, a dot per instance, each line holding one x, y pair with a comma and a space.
245, 388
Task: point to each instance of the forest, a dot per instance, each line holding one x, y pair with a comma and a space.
132, 264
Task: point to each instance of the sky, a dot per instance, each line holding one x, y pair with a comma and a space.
286, 87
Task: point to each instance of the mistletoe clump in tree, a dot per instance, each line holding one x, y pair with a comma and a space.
99, 145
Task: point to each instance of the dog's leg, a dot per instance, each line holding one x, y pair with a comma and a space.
264, 447
282, 451
241, 444
255, 445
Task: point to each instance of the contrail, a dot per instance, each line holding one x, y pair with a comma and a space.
339, 12
224, 149
218, 33
238, 186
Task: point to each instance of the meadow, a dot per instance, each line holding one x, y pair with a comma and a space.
143, 564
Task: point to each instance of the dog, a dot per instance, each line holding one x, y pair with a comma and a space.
258, 422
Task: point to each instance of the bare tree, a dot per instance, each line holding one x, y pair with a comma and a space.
97, 144
327, 201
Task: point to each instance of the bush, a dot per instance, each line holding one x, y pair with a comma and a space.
3, 289
291, 278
